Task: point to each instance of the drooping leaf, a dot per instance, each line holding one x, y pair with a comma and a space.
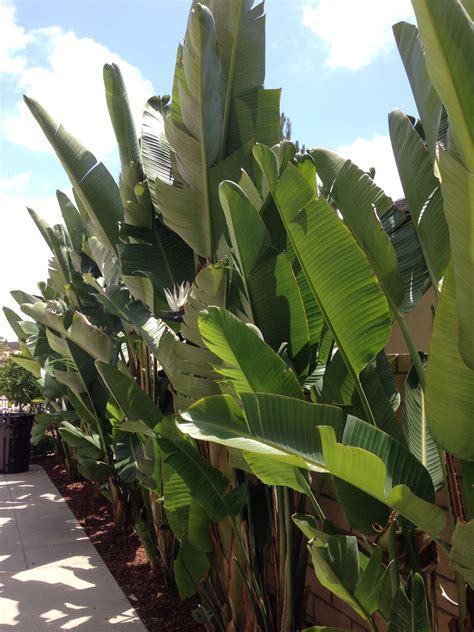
373, 461
273, 472
265, 430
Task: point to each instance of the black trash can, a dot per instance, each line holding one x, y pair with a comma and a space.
15, 431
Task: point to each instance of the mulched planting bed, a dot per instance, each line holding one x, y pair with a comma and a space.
159, 608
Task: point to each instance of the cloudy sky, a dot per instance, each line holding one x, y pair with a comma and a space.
335, 60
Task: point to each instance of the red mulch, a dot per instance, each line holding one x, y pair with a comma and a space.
159, 608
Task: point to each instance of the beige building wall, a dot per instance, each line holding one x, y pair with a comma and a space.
420, 324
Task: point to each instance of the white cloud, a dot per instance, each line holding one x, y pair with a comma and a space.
13, 38
355, 31
15, 183
64, 73
376, 152
24, 254
68, 83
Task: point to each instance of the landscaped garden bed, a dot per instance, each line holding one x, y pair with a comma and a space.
158, 606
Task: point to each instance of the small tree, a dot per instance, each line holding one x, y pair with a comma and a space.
17, 384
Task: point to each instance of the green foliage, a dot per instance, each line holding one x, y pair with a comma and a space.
17, 384
197, 421
45, 446
409, 611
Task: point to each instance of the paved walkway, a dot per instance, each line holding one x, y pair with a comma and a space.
51, 576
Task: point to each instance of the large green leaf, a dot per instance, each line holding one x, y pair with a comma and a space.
91, 338
134, 402
373, 461
249, 363
199, 533
274, 289
207, 485
449, 382
446, 32
274, 472
92, 182
189, 367
22, 328
85, 383
346, 288
72, 219
93, 469
210, 287
362, 203
416, 429
409, 610
240, 32
363, 512
121, 115
255, 116
87, 445
422, 191
457, 186
196, 138
150, 328
266, 430
336, 562
200, 86
402, 467
270, 283
341, 179
190, 567
426, 98
380, 405
412, 263
30, 364
155, 152
462, 553
240, 214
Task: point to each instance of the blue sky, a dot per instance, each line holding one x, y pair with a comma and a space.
335, 60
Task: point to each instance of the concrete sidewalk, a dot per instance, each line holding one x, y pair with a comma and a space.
51, 576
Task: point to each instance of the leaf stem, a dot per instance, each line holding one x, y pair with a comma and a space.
365, 402
309, 492
372, 626
415, 356
392, 553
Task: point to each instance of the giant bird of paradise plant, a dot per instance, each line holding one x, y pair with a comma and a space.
213, 422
